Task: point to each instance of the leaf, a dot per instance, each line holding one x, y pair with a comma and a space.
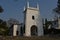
1, 9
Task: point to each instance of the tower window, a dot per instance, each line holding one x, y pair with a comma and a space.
33, 17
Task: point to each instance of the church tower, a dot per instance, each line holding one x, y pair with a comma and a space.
33, 22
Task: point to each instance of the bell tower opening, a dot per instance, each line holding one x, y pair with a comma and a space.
33, 17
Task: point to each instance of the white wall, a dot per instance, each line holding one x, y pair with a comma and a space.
15, 30
30, 22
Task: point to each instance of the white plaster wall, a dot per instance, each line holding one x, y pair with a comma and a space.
14, 30
29, 22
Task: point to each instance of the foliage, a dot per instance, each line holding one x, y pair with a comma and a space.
57, 9
47, 24
3, 27
1, 9
46, 30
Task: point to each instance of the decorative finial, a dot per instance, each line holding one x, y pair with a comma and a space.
37, 6
24, 8
27, 4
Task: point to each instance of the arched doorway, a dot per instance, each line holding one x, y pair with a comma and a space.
34, 30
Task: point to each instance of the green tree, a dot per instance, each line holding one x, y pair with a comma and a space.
46, 30
1, 9
3, 28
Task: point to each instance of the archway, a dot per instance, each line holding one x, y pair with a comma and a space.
34, 31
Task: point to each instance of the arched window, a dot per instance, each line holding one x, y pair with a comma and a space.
33, 17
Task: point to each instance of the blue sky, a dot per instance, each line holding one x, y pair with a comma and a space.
14, 8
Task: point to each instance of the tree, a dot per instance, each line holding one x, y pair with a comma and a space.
1, 9
46, 30
57, 9
3, 28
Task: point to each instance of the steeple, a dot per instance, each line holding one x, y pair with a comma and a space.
24, 8
37, 6
27, 4
31, 20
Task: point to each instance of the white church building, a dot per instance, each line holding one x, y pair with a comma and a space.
32, 22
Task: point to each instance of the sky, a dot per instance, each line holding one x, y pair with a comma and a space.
14, 8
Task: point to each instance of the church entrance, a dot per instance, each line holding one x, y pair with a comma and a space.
34, 31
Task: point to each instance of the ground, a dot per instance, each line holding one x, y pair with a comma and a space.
29, 38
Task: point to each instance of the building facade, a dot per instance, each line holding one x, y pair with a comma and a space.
32, 21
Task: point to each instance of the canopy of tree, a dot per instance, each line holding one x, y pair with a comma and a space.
3, 28
1, 9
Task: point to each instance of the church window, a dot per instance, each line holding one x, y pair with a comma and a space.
33, 17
